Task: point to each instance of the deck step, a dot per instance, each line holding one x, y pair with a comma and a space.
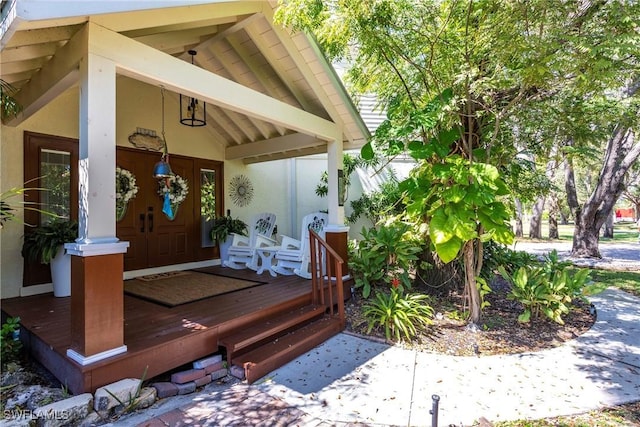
268, 357
269, 329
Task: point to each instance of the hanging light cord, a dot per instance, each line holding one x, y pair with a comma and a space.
164, 138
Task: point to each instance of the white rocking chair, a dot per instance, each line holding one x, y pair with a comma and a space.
294, 256
242, 252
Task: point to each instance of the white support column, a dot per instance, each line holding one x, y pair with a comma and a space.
97, 174
97, 300
334, 164
336, 233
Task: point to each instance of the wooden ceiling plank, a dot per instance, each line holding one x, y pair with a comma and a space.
301, 63
260, 42
42, 36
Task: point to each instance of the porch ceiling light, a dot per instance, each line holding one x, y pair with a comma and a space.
191, 113
162, 169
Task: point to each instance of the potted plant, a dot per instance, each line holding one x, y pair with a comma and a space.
46, 244
221, 232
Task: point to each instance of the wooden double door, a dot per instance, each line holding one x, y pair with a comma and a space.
52, 162
155, 239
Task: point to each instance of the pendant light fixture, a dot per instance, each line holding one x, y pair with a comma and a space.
191, 112
162, 169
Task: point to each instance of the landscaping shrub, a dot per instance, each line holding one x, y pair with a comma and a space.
387, 252
398, 313
10, 345
548, 289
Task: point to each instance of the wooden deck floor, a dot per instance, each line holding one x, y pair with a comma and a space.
158, 338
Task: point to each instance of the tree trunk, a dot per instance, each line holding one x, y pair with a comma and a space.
607, 230
585, 242
518, 231
470, 283
535, 225
553, 217
621, 152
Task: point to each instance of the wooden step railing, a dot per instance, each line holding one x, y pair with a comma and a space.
326, 277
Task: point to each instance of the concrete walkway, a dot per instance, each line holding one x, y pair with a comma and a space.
618, 256
354, 381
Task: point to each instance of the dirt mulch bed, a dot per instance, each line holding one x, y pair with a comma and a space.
499, 333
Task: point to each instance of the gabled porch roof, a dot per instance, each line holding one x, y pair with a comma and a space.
270, 93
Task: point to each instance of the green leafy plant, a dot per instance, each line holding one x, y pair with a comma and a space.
377, 205
42, 243
10, 208
10, 345
496, 254
401, 315
223, 226
387, 252
10, 106
548, 289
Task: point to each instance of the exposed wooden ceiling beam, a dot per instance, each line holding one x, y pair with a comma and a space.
21, 53
56, 76
304, 68
277, 66
143, 63
285, 155
295, 141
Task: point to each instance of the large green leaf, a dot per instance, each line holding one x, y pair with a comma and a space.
448, 251
439, 227
367, 151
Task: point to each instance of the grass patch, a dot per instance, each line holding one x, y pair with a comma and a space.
618, 416
623, 232
625, 280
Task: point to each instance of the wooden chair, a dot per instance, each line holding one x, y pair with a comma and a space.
294, 256
242, 252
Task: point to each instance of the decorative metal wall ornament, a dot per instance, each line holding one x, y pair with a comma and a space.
240, 190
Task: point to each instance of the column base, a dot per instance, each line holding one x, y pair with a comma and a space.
87, 360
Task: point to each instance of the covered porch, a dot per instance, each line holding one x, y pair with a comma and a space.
84, 72
161, 338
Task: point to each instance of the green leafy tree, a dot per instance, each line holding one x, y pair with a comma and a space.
497, 58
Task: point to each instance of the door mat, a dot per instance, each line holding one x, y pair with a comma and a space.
166, 275
185, 288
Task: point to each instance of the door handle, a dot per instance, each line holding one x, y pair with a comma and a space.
150, 218
142, 223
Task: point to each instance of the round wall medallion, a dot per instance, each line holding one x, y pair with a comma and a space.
240, 190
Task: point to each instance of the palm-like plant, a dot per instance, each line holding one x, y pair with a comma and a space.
8, 104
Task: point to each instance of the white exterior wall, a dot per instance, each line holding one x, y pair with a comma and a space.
284, 187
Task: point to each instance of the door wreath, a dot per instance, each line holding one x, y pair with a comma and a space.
126, 189
174, 191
